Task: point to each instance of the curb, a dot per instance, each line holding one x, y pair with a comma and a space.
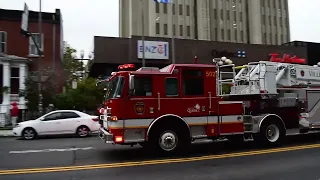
6, 135
11, 135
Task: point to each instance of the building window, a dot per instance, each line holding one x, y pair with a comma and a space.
181, 30
269, 17
32, 46
263, 19
264, 38
192, 79
236, 35
14, 80
165, 29
234, 15
173, 9
157, 28
3, 41
276, 39
180, 9
215, 13
143, 86
157, 7
174, 29
188, 31
188, 10
228, 15
241, 16
171, 86
242, 36
229, 34
222, 34
216, 33
165, 8
221, 14
275, 20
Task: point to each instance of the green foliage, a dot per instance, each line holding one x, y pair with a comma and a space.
70, 65
86, 97
31, 93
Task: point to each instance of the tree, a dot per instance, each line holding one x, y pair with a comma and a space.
31, 92
70, 65
85, 97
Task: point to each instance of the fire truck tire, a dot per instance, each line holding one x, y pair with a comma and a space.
271, 133
168, 140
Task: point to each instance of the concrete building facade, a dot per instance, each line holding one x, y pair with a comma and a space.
237, 21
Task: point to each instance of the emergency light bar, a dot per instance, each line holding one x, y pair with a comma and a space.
126, 66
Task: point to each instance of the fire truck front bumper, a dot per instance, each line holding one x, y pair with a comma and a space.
106, 136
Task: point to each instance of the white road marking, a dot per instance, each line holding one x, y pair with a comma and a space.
51, 150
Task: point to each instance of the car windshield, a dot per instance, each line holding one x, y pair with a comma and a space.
113, 89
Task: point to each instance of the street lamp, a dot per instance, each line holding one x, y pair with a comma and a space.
74, 56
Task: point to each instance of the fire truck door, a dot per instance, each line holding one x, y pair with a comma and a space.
313, 97
143, 104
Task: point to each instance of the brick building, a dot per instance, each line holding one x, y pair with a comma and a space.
110, 52
19, 54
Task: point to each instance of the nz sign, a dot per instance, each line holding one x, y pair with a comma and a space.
153, 50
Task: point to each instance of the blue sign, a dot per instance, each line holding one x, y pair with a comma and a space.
162, 1
241, 54
154, 49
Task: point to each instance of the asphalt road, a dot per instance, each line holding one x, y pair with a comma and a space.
89, 158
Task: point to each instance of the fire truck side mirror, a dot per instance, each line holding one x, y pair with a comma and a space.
131, 85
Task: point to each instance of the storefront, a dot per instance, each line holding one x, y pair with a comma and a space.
111, 52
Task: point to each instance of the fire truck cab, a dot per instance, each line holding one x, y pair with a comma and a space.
166, 109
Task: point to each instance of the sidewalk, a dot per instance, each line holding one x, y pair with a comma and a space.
6, 133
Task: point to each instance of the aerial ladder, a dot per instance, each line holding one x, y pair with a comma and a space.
284, 86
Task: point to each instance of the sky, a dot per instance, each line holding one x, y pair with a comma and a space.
84, 19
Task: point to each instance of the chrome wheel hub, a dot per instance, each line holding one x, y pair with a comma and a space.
168, 141
272, 133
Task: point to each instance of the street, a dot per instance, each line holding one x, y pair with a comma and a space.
88, 158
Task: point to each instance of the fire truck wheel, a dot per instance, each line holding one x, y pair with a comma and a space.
271, 133
168, 140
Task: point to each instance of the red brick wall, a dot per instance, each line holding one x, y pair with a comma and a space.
19, 45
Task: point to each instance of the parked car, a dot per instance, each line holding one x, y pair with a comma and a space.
57, 123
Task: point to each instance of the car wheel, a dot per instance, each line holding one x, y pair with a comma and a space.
83, 131
29, 134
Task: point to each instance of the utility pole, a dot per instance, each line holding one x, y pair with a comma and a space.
40, 52
142, 31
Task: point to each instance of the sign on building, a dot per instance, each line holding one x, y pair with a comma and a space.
153, 50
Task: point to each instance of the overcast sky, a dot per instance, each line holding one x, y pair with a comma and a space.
84, 19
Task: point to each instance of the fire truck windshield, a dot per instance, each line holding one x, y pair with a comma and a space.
114, 88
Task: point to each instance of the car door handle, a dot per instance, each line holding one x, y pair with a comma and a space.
57, 123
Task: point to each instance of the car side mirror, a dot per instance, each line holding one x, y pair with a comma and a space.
41, 119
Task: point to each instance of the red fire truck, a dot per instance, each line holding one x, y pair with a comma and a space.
166, 109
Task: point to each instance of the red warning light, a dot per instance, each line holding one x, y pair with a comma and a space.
126, 66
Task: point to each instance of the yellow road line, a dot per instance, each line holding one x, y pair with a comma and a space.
153, 162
